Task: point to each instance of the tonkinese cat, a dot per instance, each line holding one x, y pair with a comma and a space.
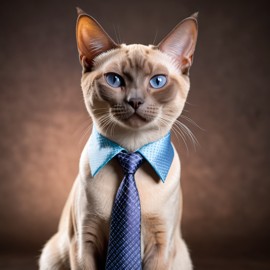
134, 94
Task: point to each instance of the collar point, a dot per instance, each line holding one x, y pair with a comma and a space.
162, 177
162, 180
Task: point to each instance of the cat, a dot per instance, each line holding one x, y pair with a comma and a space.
134, 94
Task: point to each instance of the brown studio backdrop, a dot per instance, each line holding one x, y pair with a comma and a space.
44, 123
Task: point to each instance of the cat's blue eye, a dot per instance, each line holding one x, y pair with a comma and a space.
114, 80
158, 81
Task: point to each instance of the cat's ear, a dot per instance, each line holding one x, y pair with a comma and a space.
181, 41
92, 39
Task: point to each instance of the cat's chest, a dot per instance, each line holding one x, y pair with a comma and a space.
155, 196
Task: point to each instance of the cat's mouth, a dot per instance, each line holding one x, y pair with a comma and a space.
132, 118
135, 120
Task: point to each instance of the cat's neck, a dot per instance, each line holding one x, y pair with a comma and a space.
132, 140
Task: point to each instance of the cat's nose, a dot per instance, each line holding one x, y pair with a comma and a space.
135, 103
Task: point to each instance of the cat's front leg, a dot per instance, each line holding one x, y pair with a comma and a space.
155, 258
163, 257
82, 256
88, 252
157, 252
52, 257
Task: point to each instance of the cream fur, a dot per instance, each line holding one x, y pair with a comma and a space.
85, 221
82, 237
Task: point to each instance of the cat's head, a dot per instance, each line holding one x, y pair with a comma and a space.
135, 90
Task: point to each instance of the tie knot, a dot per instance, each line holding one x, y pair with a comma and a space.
130, 162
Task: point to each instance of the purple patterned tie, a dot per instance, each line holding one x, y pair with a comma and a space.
124, 251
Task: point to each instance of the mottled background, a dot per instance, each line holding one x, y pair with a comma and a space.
44, 123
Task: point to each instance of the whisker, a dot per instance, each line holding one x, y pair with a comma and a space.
82, 129
155, 37
119, 35
182, 135
188, 133
116, 34
176, 132
87, 130
192, 122
183, 131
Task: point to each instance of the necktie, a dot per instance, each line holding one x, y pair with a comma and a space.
124, 250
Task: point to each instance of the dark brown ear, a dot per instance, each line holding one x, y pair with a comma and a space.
181, 41
92, 39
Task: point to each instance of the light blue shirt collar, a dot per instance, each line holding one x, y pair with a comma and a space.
159, 154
